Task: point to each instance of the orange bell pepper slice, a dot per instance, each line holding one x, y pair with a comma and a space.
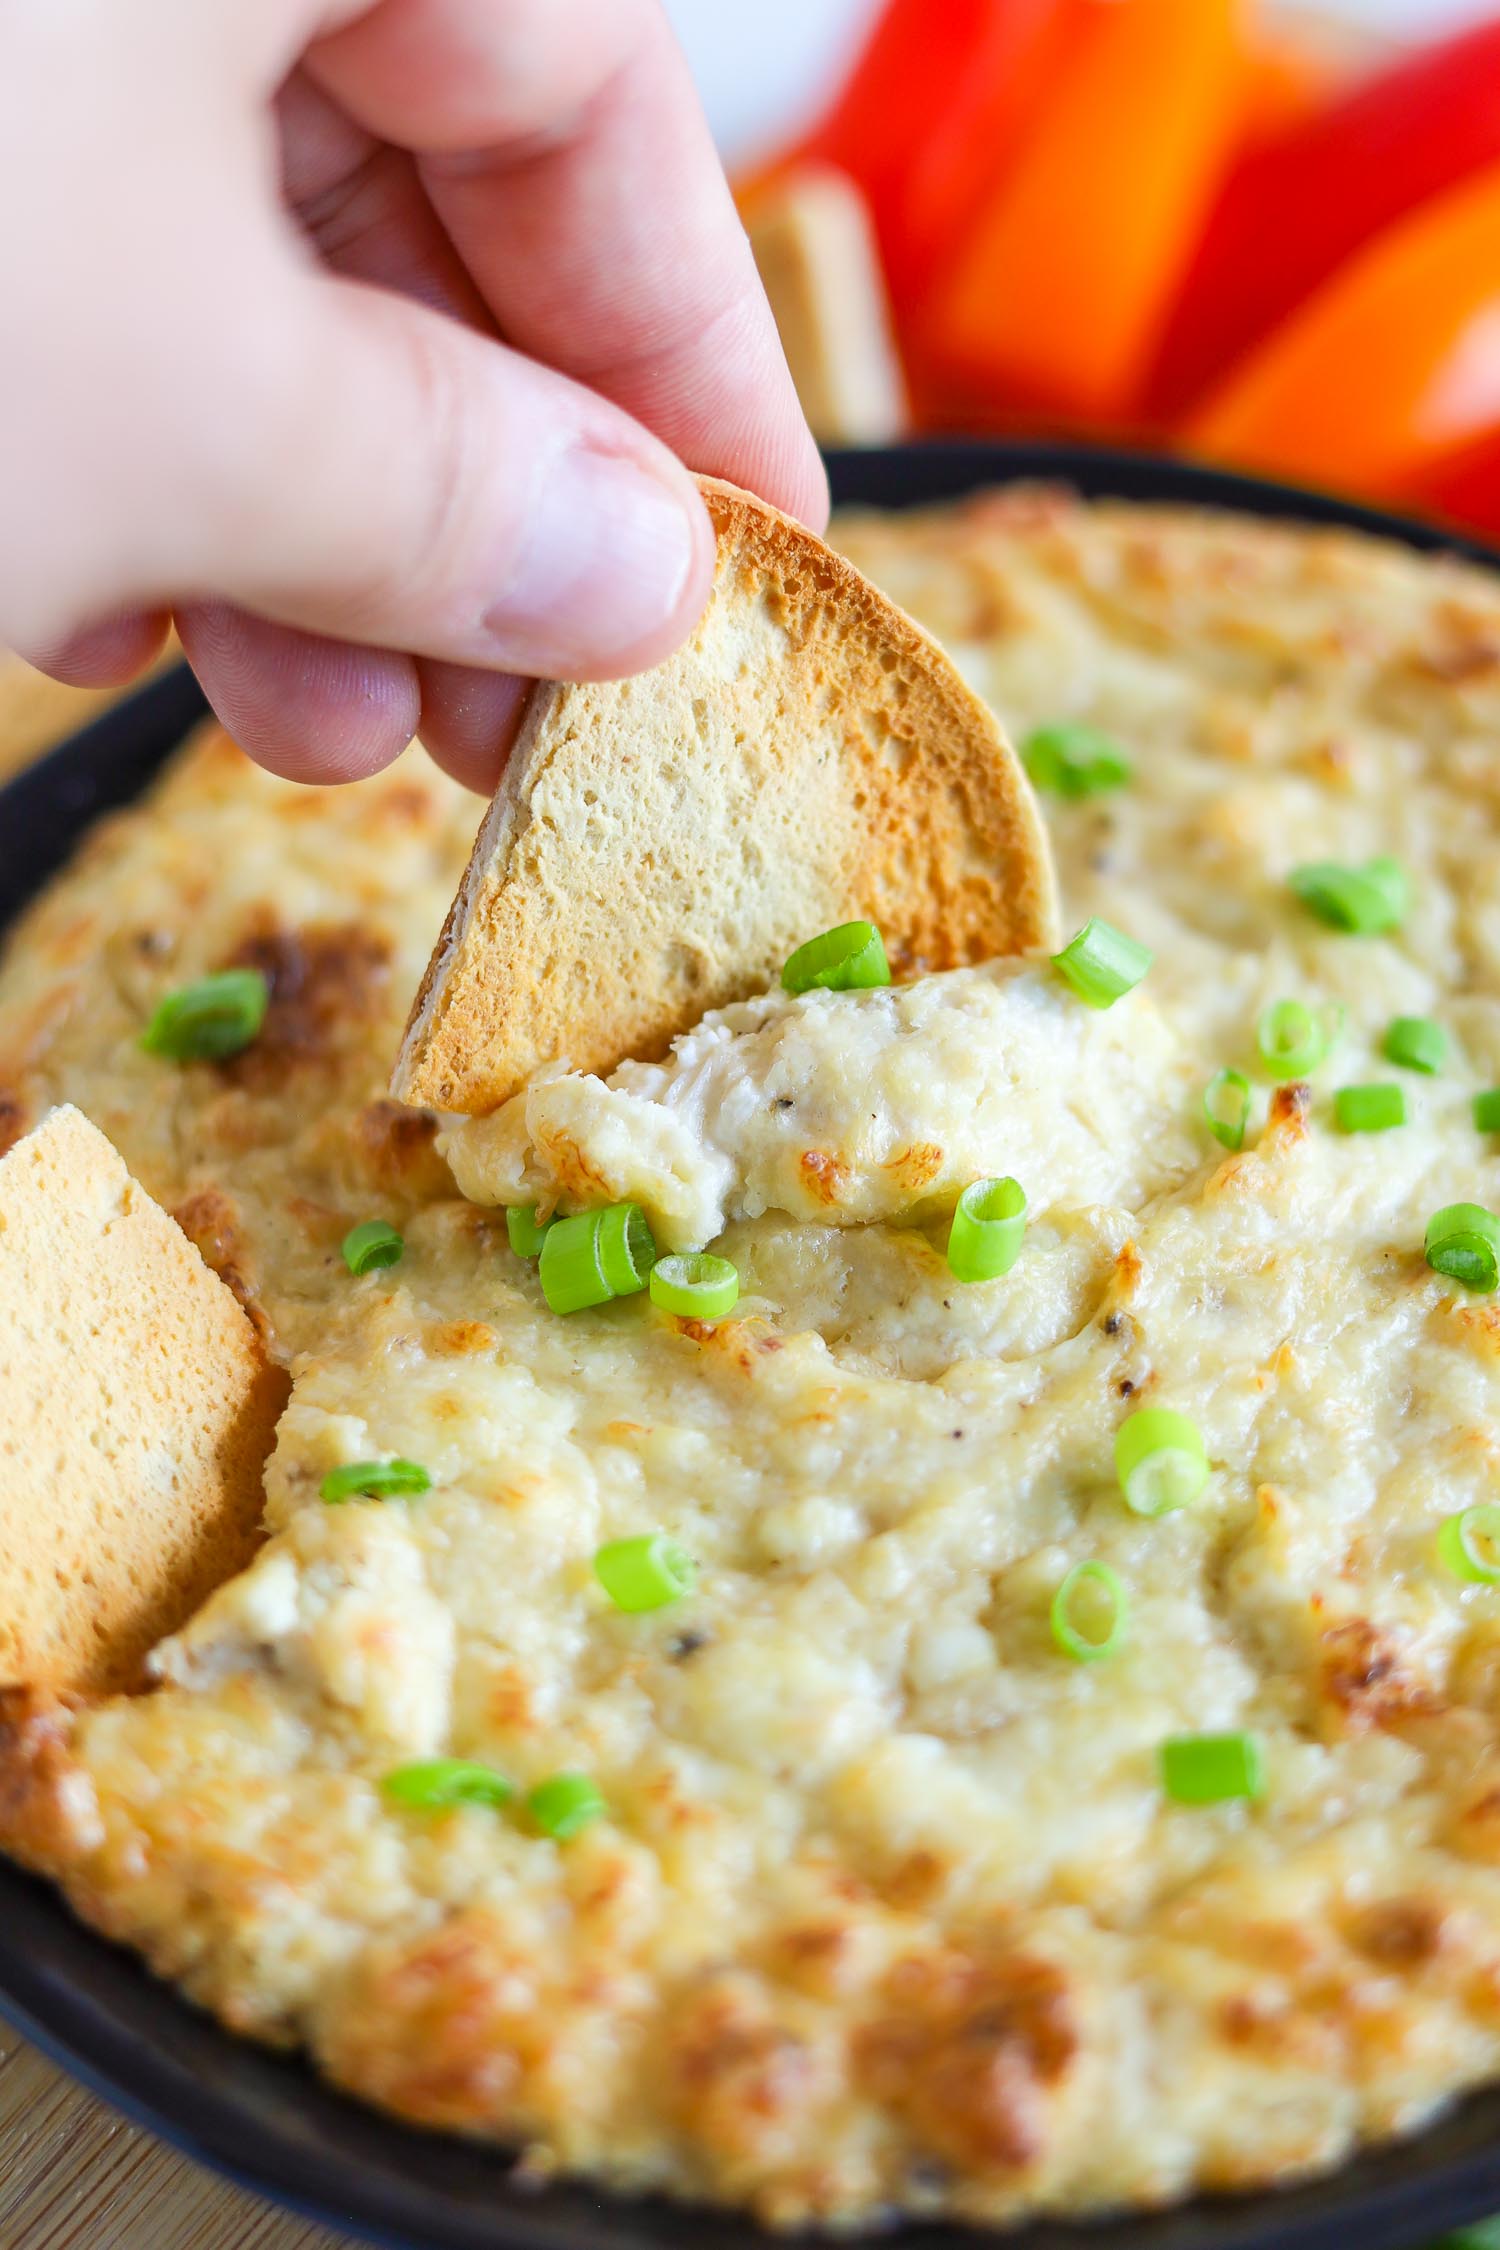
1057, 294
1394, 363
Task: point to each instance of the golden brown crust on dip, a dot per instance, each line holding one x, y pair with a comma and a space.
658, 846
888, 1911
137, 1407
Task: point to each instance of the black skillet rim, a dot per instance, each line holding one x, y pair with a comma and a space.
265, 2120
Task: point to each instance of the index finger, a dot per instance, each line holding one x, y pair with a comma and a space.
564, 148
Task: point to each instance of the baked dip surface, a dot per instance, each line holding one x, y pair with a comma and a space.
888, 1907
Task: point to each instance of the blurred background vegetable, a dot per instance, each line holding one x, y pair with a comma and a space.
1241, 230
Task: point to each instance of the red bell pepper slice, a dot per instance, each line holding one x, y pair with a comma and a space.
1295, 207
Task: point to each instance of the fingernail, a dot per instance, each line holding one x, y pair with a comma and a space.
606, 556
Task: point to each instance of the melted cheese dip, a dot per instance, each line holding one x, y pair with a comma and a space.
888, 1910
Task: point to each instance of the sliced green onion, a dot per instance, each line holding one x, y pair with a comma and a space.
627, 1249
1463, 1242
1487, 1110
1075, 761
1416, 1043
563, 1804
431, 1784
1469, 1543
1226, 1107
1101, 963
1369, 1109
206, 1021
1208, 1769
523, 1230
645, 1573
1089, 1612
375, 1480
1365, 900
843, 960
571, 1273
696, 1284
989, 1223
373, 1243
1482, 2234
1290, 1039
1160, 1459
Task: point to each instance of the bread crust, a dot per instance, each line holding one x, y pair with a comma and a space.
137, 1406
658, 846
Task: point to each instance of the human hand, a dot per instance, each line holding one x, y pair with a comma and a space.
260, 262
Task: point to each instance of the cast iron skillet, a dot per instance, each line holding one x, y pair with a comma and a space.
268, 2122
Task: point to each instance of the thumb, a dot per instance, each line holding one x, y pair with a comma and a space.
420, 486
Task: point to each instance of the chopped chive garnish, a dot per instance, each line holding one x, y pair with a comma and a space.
563, 1804
1089, 1612
1416, 1043
847, 959
375, 1480
1290, 1039
1074, 761
1469, 1543
373, 1243
431, 1784
596, 1256
1463, 1242
1369, 1109
1102, 964
989, 1223
695, 1284
1487, 1110
1365, 900
524, 1231
1226, 1107
1160, 1459
1208, 1769
645, 1573
206, 1021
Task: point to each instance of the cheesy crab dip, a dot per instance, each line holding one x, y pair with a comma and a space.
898, 1741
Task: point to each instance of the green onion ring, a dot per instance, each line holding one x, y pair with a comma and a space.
1074, 761
1069, 1633
1369, 1109
1226, 1107
1463, 1242
1290, 1040
989, 1225
375, 1480
1415, 1043
1101, 963
1459, 1543
645, 1573
695, 1284
210, 1020
1160, 1460
847, 959
524, 1231
563, 1804
434, 1784
1211, 1769
373, 1243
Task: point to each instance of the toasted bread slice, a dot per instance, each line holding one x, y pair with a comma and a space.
814, 244
659, 845
136, 1410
